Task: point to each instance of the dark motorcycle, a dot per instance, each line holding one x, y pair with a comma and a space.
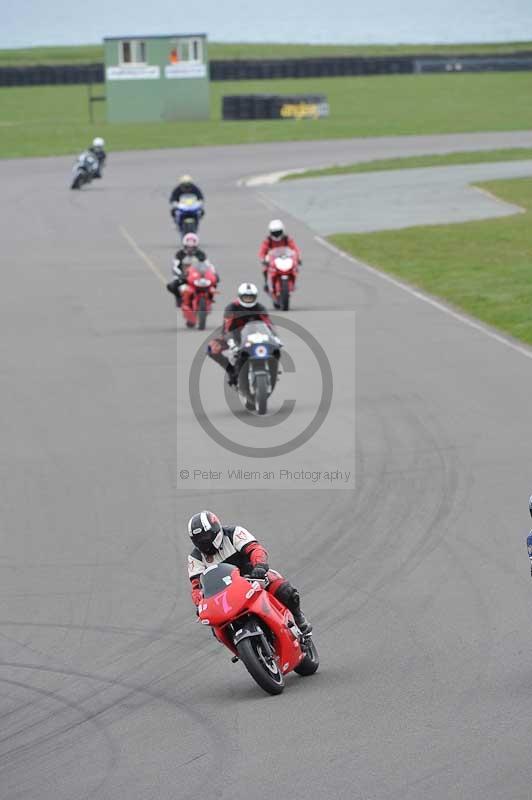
258, 365
84, 170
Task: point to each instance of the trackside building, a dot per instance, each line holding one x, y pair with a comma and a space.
153, 78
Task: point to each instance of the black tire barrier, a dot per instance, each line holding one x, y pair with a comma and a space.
274, 106
270, 69
474, 64
45, 75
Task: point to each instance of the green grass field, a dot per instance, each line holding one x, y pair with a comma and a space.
410, 162
484, 268
83, 54
53, 120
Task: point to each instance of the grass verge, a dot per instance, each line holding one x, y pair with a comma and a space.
410, 162
484, 268
82, 54
53, 120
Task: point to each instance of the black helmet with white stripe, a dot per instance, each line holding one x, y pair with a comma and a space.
206, 532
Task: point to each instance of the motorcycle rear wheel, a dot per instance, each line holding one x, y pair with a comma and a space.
261, 666
285, 296
261, 394
310, 663
202, 313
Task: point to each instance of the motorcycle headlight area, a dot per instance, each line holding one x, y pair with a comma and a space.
283, 264
260, 351
202, 282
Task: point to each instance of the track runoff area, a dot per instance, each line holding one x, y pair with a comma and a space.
412, 572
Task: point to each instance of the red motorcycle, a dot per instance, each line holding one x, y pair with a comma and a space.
282, 273
258, 629
197, 295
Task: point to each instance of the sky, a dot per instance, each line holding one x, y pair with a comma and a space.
27, 23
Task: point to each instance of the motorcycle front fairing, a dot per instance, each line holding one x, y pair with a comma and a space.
232, 605
282, 263
259, 353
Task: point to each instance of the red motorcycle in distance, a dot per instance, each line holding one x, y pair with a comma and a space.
255, 627
197, 295
282, 267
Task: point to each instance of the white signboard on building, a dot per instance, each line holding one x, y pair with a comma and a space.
131, 72
186, 69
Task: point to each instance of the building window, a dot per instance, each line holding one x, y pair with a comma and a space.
196, 50
132, 51
190, 50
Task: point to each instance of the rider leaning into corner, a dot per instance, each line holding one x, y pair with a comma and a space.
245, 308
215, 543
188, 252
97, 150
185, 186
529, 537
277, 237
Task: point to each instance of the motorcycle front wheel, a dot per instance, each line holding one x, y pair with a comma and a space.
310, 663
256, 656
285, 296
190, 225
77, 181
261, 394
202, 313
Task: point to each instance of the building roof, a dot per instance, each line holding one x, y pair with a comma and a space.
155, 36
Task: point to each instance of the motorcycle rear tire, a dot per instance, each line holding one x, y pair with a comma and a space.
285, 296
202, 313
270, 679
310, 663
261, 394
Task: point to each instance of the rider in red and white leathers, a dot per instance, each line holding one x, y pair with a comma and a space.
276, 238
233, 544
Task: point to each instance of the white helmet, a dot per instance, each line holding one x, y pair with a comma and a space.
276, 229
247, 295
185, 179
98, 142
190, 241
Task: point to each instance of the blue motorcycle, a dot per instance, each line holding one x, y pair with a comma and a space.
258, 361
187, 213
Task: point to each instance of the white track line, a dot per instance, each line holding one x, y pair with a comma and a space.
270, 177
478, 326
144, 256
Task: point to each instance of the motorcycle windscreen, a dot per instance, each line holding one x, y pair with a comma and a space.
217, 578
189, 202
281, 252
255, 333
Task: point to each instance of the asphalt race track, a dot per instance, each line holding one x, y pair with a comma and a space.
399, 198
417, 581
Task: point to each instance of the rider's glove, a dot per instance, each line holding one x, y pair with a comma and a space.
259, 571
233, 347
265, 262
277, 341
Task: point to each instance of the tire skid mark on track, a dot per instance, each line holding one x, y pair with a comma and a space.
85, 717
146, 691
